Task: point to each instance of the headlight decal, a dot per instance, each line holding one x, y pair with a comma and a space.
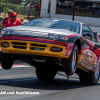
57, 36
7, 32
2, 32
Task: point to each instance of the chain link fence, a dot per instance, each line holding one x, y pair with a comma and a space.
20, 10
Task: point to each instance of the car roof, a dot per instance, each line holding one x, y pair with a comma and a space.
62, 19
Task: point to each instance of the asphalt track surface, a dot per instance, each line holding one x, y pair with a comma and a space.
24, 79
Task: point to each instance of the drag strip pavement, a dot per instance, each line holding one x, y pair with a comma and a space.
61, 88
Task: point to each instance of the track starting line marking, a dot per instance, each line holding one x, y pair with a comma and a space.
18, 66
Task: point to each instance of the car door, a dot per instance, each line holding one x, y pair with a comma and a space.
89, 57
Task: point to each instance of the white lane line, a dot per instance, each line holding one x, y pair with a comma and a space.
18, 66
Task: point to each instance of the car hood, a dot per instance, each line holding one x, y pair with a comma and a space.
40, 29
37, 31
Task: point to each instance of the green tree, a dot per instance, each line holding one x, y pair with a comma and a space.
2, 6
15, 2
2, 1
32, 1
18, 9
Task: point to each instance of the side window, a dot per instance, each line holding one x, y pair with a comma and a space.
85, 29
87, 33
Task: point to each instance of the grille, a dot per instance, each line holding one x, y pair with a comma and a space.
33, 46
19, 45
38, 45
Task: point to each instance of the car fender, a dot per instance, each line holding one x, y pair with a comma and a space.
76, 40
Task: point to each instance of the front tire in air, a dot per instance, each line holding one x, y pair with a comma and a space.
6, 61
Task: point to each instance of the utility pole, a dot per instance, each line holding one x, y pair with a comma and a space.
49, 8
73, 11
40, 9
5, 9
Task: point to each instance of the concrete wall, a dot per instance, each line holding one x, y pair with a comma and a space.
87, 20
44, 9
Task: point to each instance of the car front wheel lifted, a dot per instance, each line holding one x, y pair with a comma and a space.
6, 61
70, 64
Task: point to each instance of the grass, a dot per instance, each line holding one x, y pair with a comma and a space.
1, 19
18, 16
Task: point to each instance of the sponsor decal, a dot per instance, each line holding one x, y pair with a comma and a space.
98, 37
89, 59
90, 68
99, 59
69, 48
85, 46
63, 52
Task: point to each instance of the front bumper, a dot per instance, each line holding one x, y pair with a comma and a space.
43, 49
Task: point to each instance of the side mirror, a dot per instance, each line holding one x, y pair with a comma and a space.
87, 35
98, 37
95, 34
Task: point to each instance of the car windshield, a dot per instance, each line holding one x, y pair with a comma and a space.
56, 24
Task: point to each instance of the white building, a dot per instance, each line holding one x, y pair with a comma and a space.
86, 11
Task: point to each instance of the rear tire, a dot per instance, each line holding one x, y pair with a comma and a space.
70, 64
43, 72
91, 78
6, 61
0, 57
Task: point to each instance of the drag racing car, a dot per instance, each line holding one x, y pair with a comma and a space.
52, 45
